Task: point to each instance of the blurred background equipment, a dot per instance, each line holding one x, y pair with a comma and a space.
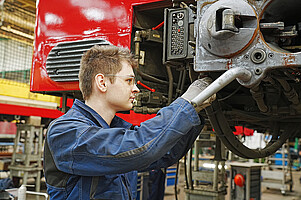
16, 39
245, 180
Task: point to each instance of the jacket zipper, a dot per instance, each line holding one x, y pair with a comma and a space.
126, 187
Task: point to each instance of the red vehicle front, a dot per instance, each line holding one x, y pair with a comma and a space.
66, 29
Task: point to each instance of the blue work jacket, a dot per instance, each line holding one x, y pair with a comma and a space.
85, 158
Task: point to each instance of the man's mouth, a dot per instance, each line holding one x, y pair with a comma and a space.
132, 99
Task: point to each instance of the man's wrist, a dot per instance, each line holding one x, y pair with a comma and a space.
192, 103
186, 99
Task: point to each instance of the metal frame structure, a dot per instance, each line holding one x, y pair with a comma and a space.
276, 175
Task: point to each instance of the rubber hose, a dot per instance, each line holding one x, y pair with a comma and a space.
225, 133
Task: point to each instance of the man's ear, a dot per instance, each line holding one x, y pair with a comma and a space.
100, 82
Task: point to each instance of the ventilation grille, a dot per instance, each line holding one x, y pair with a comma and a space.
63, 61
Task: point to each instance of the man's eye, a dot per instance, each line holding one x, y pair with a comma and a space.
130, 81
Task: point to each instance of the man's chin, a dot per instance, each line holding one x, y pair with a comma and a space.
125, 109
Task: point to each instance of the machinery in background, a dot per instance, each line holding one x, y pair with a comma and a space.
26, 160
245, 181
206, 175
278, 173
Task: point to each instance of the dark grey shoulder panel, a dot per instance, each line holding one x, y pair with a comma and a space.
53, 176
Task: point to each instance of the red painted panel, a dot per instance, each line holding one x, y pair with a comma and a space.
71, 20
39, 78
135, 118
10, 109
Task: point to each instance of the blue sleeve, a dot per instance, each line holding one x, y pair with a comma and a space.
178, 151
82, 149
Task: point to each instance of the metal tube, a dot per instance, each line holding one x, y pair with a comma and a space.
215, 176
223, 174
137, 51
190, 169
176, 180
185, 172
64, 103
179, 83
170, 87
38, 193
196, 158
196, 155
183, 81
221, 82
151, 78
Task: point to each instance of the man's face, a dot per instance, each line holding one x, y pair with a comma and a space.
121, 93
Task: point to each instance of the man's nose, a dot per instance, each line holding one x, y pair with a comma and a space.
135, 89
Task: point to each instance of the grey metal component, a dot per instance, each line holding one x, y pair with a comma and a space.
63, 61
222, 43
226, 78
275, 25
258, 56
226, 27
154, 36
39, 194
252, 175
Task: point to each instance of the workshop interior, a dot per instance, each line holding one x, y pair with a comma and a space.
250, 147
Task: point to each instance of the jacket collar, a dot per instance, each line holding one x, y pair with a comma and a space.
92, 114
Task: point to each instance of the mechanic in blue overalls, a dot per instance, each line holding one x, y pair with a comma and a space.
90, 153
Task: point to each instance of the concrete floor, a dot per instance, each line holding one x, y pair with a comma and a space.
267, 194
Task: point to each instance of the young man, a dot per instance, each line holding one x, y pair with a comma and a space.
92, 154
